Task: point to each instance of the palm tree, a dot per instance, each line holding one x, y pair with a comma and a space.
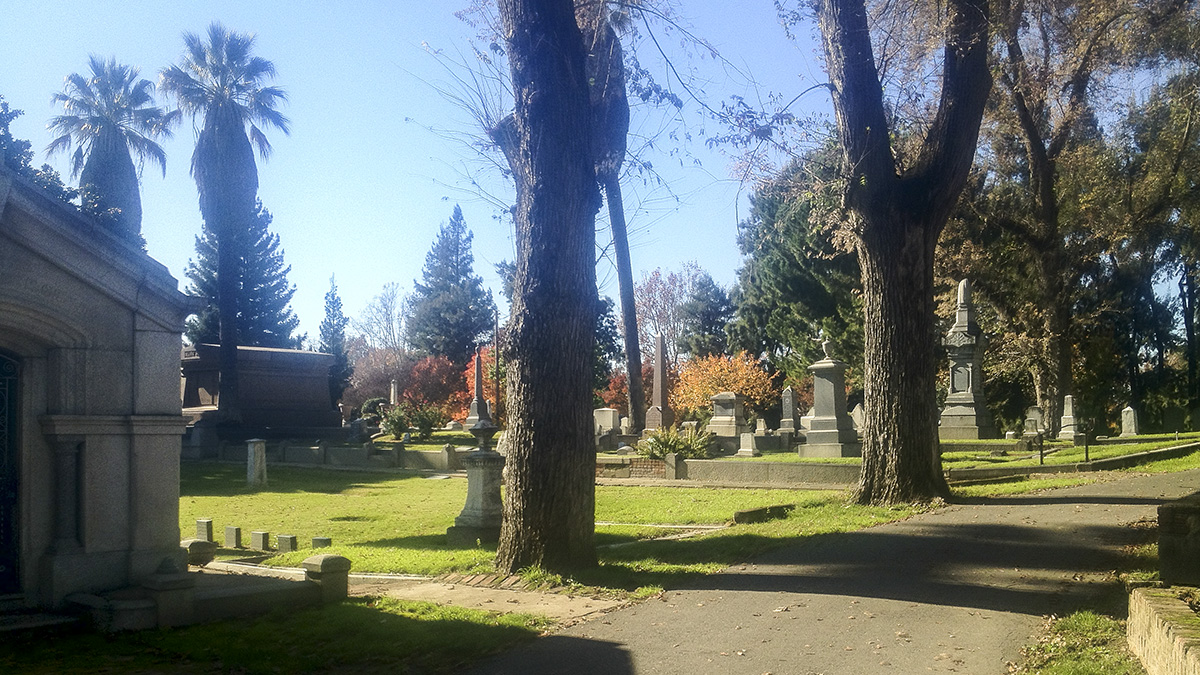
222, 82
106, 116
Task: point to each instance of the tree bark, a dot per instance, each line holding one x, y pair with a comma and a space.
633, 350
549, 508
897, 216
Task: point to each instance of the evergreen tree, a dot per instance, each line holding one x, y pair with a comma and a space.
333, 341
264, 316
705, 315
451, 310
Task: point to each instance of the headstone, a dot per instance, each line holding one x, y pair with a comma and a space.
260, 541
322, 542
1010, 435
1034, 421
256, 462
233, 537
286, 543
832, 431
748, 448
728, 418
406, 438
204, 529
966, 415
479, 406
1129, 422
453, 425
394, 396
689, 427
606, 419
859, 417
1067, 428
760, 426
788, 421
660, 415
450, 458
626, 426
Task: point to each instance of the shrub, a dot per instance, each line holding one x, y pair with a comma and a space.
370, 408
394, 422
426, 418
690, 444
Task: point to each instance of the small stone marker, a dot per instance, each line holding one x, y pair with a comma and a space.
256, 462
1010, 435
260, 541
1034, 420
748, 447
1129, 421
858, 416
760, 427
322, 542
286, 543
204, 529
233, 537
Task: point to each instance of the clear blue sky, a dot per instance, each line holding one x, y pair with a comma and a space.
356, 190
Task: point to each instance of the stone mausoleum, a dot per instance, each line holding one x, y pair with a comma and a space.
90, 419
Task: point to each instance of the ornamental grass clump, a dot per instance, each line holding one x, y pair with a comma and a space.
688, 444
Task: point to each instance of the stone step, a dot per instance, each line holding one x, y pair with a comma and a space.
13, 622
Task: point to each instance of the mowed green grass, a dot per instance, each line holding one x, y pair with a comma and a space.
361, 635
396, 523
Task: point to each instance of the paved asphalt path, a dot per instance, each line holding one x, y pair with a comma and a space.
957, 590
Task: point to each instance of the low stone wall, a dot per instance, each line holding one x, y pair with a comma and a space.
630, 467
784, 473
366, 456
1163, 632
1123, 462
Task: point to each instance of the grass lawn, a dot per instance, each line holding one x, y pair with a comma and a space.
396, 523
361, 635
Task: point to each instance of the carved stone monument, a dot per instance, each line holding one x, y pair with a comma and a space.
788, 421
479, 406
729, 417
1129, 421
1067, 427
481, 516
965, 415
831, 433
748, 447
660, 415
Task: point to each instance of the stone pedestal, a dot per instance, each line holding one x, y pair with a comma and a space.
1067, 427
481, 516
831, 432
728, 420
965, 415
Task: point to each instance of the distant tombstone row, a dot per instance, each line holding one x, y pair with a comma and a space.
260, 540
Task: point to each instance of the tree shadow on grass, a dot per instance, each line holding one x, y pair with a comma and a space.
224, 479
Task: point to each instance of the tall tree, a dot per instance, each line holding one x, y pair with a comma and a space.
610, 130
222, 81
382, 322
660, 298
897, 206
263, 296
549, 480
704, 317
333, 341
450, 310
110, 116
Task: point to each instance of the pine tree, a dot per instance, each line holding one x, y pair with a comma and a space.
704, 317
264, 313
333, 341
451, 310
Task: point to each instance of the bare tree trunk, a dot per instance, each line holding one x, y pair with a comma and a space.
897, 216
633, 350
549, 507
1187, 297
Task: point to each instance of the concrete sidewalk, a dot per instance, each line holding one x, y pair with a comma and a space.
958, 590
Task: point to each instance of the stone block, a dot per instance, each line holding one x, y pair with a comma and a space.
204, 529
748, 447
260, 540
331, 573
233, 537
286, 543
322, 542
199, 552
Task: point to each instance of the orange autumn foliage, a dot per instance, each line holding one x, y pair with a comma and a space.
702, 378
